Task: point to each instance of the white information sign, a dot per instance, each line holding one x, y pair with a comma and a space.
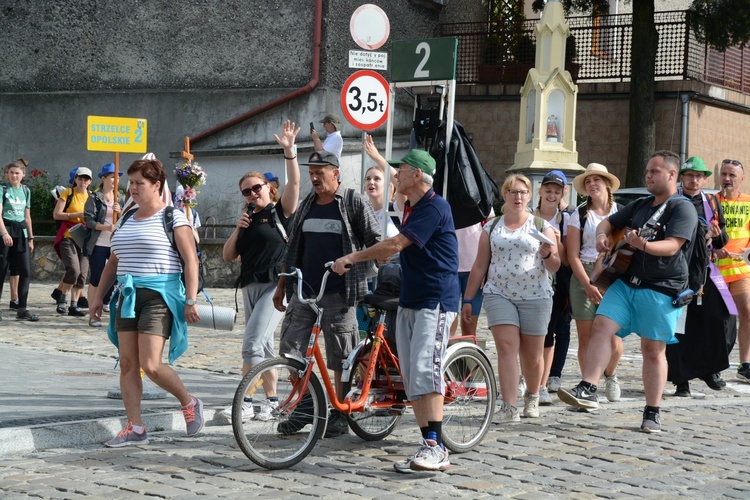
363, 59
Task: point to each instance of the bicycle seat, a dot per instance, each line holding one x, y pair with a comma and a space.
382, 302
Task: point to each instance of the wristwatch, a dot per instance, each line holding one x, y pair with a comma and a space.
189, 302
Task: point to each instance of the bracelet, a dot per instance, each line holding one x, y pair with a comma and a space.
31, 239
548, 256
292, 158
468, 301
599, 234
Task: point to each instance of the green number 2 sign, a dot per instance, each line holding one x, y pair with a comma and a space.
419, 60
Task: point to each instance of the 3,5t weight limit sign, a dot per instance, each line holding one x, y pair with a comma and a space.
364, 99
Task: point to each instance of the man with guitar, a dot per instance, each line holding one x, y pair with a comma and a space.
733, 267
643, 299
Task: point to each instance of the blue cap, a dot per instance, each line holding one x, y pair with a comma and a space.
555, 177
72, 175
109, 168
270, 177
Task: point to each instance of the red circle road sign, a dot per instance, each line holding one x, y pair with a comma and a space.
364, 99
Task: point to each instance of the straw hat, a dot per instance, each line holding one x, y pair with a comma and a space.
595, 169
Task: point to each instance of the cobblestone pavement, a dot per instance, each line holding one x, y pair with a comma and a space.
700, 454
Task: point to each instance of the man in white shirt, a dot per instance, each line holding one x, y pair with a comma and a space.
333, 143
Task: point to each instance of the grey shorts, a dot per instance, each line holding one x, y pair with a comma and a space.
152, 316
339, 325
583, 308
421, 340
530, 316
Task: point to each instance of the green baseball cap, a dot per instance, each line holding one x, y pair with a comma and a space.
419, 159
696, 164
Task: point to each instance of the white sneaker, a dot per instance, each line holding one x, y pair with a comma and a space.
531, 405
507, 413
247, 411
554, 384
612, 388
266, 410
544, 398
521, 387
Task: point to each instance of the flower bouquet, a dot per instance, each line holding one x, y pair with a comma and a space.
190, 175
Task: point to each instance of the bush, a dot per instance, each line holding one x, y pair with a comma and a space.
42, 201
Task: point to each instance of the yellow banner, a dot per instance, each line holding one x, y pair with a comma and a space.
111, 133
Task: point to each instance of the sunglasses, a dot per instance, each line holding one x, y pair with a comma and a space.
255, 189
733, 162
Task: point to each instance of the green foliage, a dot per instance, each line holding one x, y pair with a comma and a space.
42, 202
721, 23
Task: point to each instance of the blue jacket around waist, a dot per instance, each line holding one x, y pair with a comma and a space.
172, 291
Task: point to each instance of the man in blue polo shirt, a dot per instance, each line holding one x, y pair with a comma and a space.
428, 302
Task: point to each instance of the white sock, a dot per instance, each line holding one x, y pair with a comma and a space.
138, 429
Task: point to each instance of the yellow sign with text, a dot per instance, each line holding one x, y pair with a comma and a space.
112, 133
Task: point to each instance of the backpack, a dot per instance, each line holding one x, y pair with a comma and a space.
69, 199
168, 223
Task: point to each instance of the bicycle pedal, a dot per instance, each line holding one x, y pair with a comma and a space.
396, 410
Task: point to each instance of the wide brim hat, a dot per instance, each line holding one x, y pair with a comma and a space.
107, 169
333, 119
595, 169
696, 164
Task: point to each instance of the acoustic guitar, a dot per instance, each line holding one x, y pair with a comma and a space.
610, 266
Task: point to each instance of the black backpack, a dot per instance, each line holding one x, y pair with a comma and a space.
168, 222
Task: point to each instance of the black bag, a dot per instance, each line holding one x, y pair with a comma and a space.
471, 190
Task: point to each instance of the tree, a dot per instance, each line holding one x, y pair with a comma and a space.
721, 23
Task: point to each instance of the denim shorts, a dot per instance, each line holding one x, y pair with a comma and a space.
645, 312
476, 302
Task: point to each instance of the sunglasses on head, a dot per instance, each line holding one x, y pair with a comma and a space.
255, 189
733, 162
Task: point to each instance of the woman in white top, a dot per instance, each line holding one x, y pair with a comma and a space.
154, 302
375, 187
598, 184
517, 293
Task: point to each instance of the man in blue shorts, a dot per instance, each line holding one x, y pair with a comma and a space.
641, 300
428, 302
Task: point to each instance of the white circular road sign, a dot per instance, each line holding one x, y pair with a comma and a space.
369, 26
364, 99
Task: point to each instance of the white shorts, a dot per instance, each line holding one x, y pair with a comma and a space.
421, 339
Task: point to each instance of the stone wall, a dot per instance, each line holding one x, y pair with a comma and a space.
46, 266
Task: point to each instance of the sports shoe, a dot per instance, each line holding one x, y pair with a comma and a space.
553, 384
544, 398
193, 414
431, 456
62, 308
337, 424
682, 390
57, 295
507, 413
300, 417
651, 422
266, 412
531, 405
579, 397
105, 308
404, 466
743, 373
128, 437
13, 304
74, 311
95, 323
612, 388
248, 411
521, 387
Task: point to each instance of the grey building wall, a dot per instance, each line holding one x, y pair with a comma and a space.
185, 67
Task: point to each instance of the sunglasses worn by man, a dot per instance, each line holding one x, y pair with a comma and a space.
733, 162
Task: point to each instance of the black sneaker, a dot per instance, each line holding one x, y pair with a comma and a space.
83, 303
13, 304
579, 397
74, 311
651, 424
62, 308
57, 295
714, 381
337, 424
682, 390
300, 417
743, 373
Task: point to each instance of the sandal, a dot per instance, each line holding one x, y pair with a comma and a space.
27, 316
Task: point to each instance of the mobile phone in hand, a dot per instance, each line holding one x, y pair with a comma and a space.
312, 126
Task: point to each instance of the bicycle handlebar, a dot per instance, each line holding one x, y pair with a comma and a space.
295, 271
